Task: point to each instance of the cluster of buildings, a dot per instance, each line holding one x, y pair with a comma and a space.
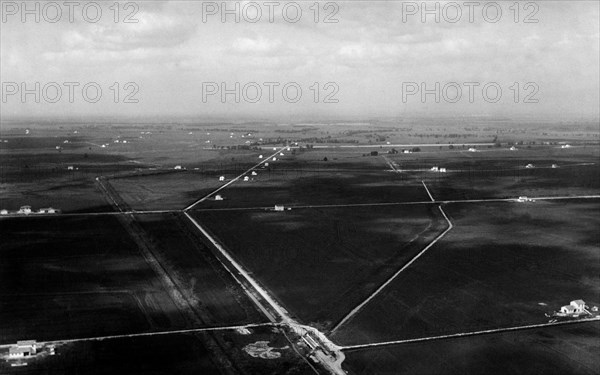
438, 169
576, 307
27, 210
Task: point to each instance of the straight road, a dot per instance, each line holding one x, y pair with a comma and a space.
190, 330
465, 334
235, 179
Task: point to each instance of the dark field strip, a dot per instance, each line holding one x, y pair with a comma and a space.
76, 277
208, 288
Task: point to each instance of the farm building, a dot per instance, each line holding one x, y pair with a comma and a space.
435, 169
554, 166
177, 167
442, 170
260, 156
246, 178
472, 149
3, 212
565, 146
70, 168
23, 349
222, 178
578, 305
567, 309
274, 159
524, 198
254, 173
24, 210
218, 197
529, 166
48, 210
266, 164
279, 207
513, 148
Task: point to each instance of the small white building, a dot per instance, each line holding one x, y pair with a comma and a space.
566, 146
279, 207
222, 178
529, 166
3, 212
442, 170
24, 210
260, 156
567, 309
254, 173
513, 148
281, 154
406, 151
435, 169
524, 198
578, 305
177, 167
274, 159
218, 197
266, 164
70, 168
472, 149
246, 178
554, 166
48, 210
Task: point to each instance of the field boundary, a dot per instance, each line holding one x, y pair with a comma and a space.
465, 334
354, 311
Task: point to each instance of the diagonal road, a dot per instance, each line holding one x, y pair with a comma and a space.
354, 311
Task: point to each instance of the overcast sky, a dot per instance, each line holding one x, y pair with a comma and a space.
369, 53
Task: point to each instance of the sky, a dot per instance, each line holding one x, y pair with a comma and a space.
371, 59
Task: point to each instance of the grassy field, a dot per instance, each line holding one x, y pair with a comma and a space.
502, 265
207, 286
500, 173
68, 277
319, 187
163, 191
321, 262
569, 349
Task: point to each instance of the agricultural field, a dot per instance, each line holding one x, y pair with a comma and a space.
570, 349
502, 265
503, 173
71, 277
321, 262
217, 352
163, 191
207, 286
292, 187
45, 180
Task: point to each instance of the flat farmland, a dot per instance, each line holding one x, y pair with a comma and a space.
44, 180
502, 265
218, 352
207, 286
320, 263
127, 355
319, 187
164, 191
501, 173
70, 277
570, 349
